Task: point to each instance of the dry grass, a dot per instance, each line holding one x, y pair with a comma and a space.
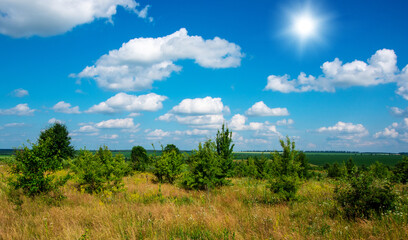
147, 210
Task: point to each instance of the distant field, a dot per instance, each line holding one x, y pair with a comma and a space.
319, 158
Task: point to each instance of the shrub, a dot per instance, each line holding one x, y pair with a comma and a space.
204, 169
139, 158
168, 166
33, 168
401, 171
364, 196
336, 171
285, 186
56, 143
379, 170
170, 148
100, 171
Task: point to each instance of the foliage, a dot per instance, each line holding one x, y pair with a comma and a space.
100, 171
204, 169
56, 142
168, 166
225, 150
351, 167
304, 165
139, 158
285, 186
255, 167
379, 170
33, 170
401, 171
336, 171
363, 196
170, 148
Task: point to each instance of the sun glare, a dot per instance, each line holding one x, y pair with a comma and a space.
304, 26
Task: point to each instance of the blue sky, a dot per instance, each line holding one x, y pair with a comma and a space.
331, 75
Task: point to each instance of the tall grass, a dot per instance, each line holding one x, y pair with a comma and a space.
147, 210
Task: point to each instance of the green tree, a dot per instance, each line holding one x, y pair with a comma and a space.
56, 142
401, 170
204, 169
171, 147
168, 166
33, 170
225, 150
100, 171
351, 167
139, 158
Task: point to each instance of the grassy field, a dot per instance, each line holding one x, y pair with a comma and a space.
147, 210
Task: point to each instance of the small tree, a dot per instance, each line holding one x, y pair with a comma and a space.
204, 170
139, 158
170, 148
56, 142
401, 171
99, 171
33, 170
225, 149
168, 166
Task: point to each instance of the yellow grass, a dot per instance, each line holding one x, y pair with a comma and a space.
147, 210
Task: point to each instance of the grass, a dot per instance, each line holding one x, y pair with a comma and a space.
147, 210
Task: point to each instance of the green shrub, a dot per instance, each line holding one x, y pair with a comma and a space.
100, 171
168, 166
170, 148
336, 171
364, 196
285, 186
139, 158
32, 170
204, 168
379, 170
401, 171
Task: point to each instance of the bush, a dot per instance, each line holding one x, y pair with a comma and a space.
285, 186
170, 148
204, 169
379, 170
401, 171
168, 166
139, 158
100, 171
336, 171
365, 196
33, 168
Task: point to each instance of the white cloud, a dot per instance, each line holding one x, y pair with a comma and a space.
64, 107
25, 18
117, 123
266, 129
8, 125
130, 103
381, 68
141, 61
54, 120
398, 131
199, 106
345, 131
20, 110
194, 132
87, 129
157, 134
260, 109
285, 122
109, 137
20, 92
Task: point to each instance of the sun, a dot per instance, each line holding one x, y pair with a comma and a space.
304, 26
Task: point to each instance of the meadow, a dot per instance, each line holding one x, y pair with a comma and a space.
148, 210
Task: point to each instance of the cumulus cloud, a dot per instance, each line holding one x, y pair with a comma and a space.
109, 137
87, 129
25, 18
194, 132
54, 120
238, 123
116, 123
398, 131
19, 110
64, 107
381, 68
345, 131
130, 103
157, 134
141, 61
199, 106
396, 111
260, 109
19, 93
